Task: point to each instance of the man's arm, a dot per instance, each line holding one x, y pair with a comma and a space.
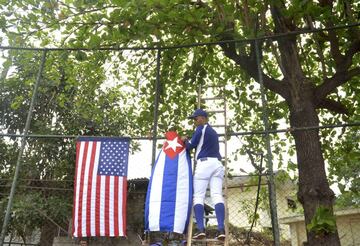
195, 139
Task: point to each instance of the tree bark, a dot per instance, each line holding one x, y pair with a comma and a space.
48, 232
301, 96
314, 190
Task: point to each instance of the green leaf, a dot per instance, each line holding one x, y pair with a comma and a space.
95, 41
80, 55
322, 222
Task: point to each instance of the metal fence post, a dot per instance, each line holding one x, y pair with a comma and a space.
156, 106
22, 147
272, 191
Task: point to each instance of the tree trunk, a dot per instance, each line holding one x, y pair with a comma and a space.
48, 232
314, 190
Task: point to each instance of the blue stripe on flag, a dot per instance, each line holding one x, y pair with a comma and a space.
167, 210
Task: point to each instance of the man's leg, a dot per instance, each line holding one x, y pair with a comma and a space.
202, 176
200, 186
217, 198
216, 182
220, 215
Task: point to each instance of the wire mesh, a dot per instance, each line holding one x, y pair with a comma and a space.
42, 207
242, 193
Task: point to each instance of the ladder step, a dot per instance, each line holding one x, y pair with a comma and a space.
208, 240
213, 98
209, 216
218, 125
212, 86
217, 111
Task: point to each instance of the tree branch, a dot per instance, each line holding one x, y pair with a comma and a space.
334, 48
309, 21
246, 14
277, 57
332, 37
353, 49
333, 106
338, 79
342, 62
287, 46
248, 63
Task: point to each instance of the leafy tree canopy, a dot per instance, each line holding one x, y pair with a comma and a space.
317, 74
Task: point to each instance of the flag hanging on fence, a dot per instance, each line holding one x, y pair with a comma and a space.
100, 187
169, 195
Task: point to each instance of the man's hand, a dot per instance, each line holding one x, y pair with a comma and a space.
184, 138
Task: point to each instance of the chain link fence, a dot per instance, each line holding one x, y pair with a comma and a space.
42, 206
33, 223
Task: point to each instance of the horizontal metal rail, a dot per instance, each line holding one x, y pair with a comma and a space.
255, 132
156, 47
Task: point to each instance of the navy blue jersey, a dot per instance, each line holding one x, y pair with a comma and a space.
206, 141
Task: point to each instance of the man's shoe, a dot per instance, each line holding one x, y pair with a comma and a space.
199, 234
220, 235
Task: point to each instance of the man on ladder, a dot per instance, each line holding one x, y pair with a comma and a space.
209, 170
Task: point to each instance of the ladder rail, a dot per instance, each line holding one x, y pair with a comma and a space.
225, 179
191, 222
225, 160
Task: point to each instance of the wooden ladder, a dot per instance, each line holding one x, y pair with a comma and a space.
214, 99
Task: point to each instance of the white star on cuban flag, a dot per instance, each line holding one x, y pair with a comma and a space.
173, 145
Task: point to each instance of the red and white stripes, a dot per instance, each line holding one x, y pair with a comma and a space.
99, 200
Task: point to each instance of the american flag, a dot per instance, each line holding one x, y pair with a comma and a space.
100, 187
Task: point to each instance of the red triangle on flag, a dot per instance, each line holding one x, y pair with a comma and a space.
173, 144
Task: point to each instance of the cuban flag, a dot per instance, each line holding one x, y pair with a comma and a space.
169, 195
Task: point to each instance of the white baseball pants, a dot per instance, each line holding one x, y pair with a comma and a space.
209, 171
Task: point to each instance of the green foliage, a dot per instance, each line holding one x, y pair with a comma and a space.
323, 222
113, 93
343, 156
247, 206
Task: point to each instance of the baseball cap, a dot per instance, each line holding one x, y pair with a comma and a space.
198, 112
